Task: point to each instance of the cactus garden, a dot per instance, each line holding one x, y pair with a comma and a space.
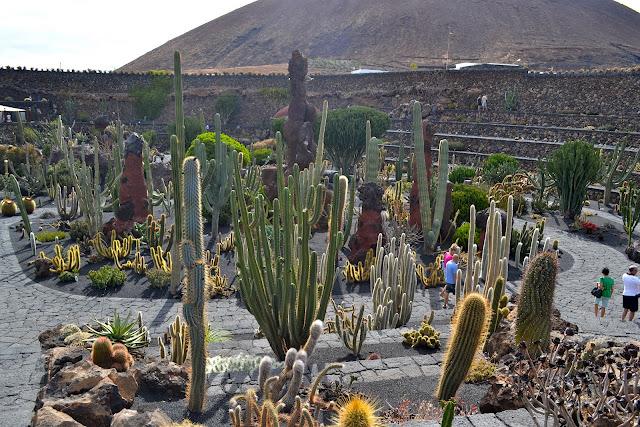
194, 284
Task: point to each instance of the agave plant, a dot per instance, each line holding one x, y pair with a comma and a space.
216, 335
131, 333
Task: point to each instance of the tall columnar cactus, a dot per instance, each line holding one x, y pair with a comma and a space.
630, 209
372, 156
217, 174
194, 294
468, 334
148, 177
276, 264
533, 320
498, 301
177, 156
617, 167
15, 188
430, 216
400, 163
66, 204
348, 220
393, 283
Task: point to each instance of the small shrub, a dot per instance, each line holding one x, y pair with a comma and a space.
193, 127
149, 100
150, 136
277, 125
158, 278
497, 166
68, 276
276, 94
460, 173
461, 236
209, 140
463, 196
79, 231
50, 236
456, 146
106, 277
262, 155
226, 105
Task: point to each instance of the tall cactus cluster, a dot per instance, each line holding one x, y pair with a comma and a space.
533, 320
275, 262
85, 181
431, 215
468, 334
146, 163
194, 294
630, 209
372, 156
177, 143
217, 175
617, 167
393, 281
15, 188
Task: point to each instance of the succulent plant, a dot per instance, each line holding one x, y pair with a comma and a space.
425, 337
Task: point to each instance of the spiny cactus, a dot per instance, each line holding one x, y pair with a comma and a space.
468, 334
498, 301
15, 187
630, 209
101, 352
425, 337
177, 143
121, 359
533, 320
146, 162
430, 216
372, 157
617, 167
179, 342
351, 328
357, 411
393, 282
156, 234
67, 204
273, 257
194, 293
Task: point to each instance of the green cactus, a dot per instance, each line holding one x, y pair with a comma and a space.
400, 163
372, 157
498, 301
447, 415
217, 175
616, 168
15, 188
348, 223
351, 329
533, 320
156, 234
630, 209
179, 343
468, 334
393, 282
148, 177
177, 143
275, 262
102, 352
66, 203
430, 215
194, 292
425, 337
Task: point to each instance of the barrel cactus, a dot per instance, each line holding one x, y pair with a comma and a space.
533, 320
468, 334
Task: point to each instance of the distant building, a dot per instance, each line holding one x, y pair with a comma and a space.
487, 66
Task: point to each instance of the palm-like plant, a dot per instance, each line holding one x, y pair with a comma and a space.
131, 333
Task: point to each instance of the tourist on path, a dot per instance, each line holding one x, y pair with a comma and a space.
631, 283
485, 100
450, 272
448, 256
605, 284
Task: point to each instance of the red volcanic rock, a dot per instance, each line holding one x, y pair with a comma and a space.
133, 204
298, 129
369, 222
270, 181
414, 198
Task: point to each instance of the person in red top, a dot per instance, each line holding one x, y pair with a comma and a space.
448, 256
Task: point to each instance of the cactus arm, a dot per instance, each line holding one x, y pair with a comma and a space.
421, 169
15, 188
443, 179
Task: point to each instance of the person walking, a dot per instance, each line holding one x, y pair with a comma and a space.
631, 288
448, 256
450, 272
484, 101
479, 101
605, 284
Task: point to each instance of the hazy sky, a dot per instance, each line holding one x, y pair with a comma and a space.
83, 34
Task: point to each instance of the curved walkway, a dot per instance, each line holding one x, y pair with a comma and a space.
27, 308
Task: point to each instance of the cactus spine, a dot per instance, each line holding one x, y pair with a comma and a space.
177, 155
194, 294
430, 216
393, 280
469, 330
533, 320
15, 188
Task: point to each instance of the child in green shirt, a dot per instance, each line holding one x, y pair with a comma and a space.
605, 283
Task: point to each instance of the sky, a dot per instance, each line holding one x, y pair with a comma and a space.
86, 34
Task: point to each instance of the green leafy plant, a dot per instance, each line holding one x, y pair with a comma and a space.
262, 155
158, 278
497, 166
461, 236
460, 173
149, 100
216, 335
193, 127
277, 125
345, 135
131, 333
107, 277
226, 105
50, 236
150, 136
68, 276
79, 231
574, 167
209, 140
463, 196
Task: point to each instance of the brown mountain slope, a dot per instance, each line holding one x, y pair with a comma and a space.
396, 33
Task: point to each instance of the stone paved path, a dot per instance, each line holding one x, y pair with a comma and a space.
27, 308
